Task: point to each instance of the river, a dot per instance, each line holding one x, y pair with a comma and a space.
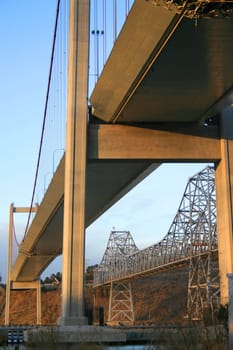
95, 347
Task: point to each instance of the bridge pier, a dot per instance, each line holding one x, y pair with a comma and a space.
75, 168
120, 303
13, 285
224, 200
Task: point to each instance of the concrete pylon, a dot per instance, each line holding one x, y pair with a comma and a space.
230, 310
13, 285
9, 266
224, 200
75, 167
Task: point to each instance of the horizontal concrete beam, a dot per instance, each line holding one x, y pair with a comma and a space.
24, 209
24, 285
133, 142
119, 157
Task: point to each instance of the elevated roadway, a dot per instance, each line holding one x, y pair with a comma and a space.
165, 67
173, 265
167, 75
106, 183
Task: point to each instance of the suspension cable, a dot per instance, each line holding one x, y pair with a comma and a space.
44, 118
14, 233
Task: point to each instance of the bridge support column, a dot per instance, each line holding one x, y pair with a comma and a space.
9, 282
230, 310
224, 200
75, 168
9, 266
120, 303
38, 303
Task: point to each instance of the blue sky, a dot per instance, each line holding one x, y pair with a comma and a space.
26, 31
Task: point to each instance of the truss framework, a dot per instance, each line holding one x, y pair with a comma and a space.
191, 240
199, 8
120, 303
203, 287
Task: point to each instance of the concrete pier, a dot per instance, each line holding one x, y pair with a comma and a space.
75, 168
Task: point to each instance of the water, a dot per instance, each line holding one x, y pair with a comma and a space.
100, 347
133, 347
129, 347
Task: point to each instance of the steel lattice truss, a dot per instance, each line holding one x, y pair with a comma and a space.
203, 286
120, 303
120, 245
191, 240
192, 233
199, 8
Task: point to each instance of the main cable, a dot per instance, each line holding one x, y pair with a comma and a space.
44, 118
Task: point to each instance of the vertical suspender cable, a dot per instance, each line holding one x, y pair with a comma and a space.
95, 38
105, 32
114, 20
65, 55
126, 8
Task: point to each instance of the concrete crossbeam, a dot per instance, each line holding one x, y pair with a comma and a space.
133, 142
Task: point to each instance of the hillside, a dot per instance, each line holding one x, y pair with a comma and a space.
23, 306
159, 299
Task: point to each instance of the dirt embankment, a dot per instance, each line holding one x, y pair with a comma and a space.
23, 306
159, 299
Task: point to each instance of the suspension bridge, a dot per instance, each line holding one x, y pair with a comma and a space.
161, 91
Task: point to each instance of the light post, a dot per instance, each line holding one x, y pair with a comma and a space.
97, 33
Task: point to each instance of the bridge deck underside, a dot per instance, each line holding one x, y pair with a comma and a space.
177, 75
106, 182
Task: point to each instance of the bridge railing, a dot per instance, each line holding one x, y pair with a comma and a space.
196, 9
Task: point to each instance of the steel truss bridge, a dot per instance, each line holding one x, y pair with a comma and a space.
191, 241
198, 8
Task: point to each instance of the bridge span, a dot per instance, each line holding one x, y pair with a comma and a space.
132, 152
191, 241
43, 242
164, 95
